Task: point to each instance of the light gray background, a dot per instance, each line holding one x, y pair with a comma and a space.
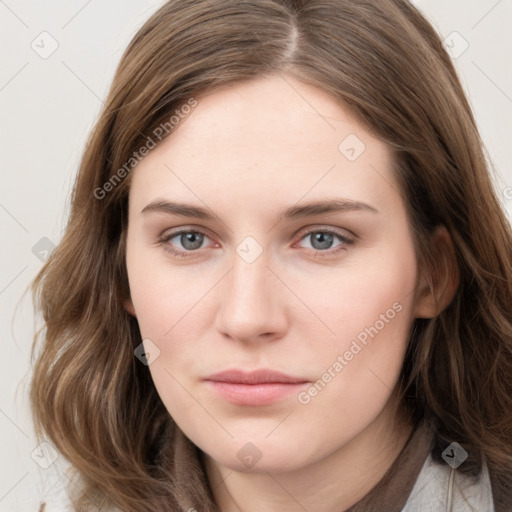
48, 106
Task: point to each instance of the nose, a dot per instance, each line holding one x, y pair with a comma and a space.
251, 303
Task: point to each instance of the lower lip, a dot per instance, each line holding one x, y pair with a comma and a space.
254, 394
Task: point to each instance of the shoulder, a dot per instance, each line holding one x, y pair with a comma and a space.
440, 488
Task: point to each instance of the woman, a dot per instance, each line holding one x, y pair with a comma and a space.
286, 280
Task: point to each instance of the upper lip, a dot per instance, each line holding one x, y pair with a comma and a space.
254, 377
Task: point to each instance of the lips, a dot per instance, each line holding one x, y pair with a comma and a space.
256, 388
262, 376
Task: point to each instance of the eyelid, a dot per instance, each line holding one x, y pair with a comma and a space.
171, 232
307, 230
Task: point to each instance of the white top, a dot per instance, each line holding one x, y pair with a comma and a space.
439, 488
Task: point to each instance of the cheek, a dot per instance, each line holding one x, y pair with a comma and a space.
370, 309
161, 294
372, 291
170, 304
359, 300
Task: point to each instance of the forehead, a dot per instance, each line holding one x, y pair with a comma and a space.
270, 140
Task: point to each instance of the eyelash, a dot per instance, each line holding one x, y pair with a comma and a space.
165, 239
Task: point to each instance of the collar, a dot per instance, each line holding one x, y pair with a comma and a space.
192, 490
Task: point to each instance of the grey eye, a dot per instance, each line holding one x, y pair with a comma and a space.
321, 240
190, 240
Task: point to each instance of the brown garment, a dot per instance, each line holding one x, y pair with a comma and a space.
393, 489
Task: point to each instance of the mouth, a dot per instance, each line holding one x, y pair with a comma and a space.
256, 388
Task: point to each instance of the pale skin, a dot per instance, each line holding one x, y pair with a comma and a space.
245, 154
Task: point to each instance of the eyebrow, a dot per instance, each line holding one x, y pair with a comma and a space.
292, 212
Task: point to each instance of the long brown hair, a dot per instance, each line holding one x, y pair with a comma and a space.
382, 60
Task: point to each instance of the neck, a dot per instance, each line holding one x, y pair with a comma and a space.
335, 482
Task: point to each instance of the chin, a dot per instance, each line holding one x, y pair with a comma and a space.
264, 456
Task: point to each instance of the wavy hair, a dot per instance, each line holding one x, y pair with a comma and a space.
384, 62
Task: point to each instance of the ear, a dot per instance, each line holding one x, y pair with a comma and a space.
128, 306
437, 286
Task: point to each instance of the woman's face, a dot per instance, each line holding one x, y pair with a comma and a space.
296, 257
